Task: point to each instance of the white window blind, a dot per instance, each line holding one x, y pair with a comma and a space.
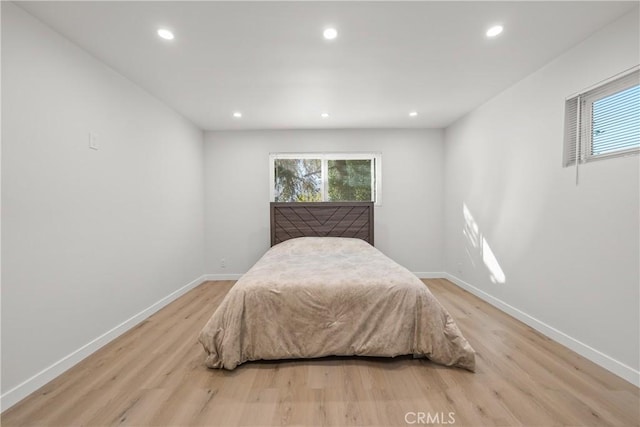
604, 121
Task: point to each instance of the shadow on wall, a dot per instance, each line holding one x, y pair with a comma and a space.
476, 246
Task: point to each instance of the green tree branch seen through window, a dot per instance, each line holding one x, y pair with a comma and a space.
298, 180
350, 180
324, 177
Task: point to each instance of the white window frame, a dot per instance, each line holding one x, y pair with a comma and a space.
376, 175
579, 149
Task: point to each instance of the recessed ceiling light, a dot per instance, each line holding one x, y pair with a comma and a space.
324, 115
165, 34
413, 114
330, 33
494, 31
237, 114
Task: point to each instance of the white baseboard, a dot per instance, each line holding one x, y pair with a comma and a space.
19, 392
430, 275
234, 276
612, 365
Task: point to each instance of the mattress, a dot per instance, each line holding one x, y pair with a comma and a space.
321, 296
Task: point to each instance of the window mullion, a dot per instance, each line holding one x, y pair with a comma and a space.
325, 179
373, 179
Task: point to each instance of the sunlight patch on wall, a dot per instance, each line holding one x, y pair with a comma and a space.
489, 259
471, 230
477, 245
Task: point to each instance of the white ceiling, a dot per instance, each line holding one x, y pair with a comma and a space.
270, 61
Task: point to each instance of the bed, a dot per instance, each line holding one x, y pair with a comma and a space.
322, 289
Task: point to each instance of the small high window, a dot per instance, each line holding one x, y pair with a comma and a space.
604, 121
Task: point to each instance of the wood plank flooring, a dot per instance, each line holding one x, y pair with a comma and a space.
155, 375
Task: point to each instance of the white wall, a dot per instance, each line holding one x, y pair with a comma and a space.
408, 225
570, 254
89, 238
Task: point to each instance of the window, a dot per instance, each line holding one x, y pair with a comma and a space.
603, 122
327, 177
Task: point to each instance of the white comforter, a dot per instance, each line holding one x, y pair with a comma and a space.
321, 296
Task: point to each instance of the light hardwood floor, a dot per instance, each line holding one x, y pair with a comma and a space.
154, 375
